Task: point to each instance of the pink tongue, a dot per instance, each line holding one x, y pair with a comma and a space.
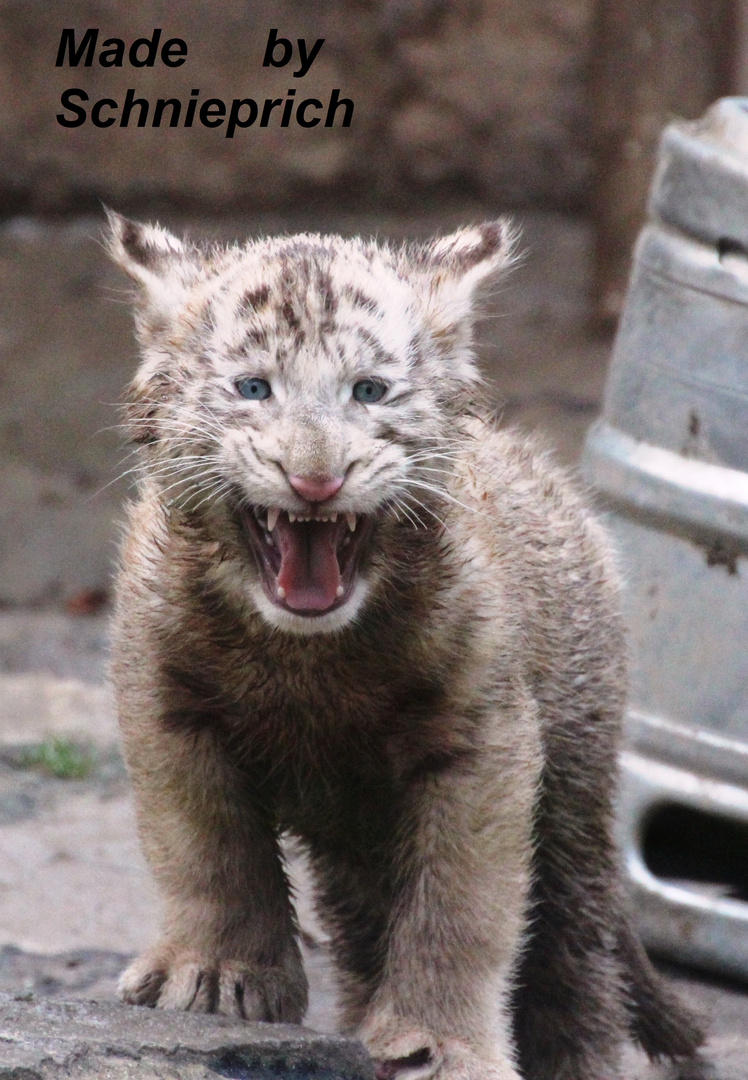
309, 572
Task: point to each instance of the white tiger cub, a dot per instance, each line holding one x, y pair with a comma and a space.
351, 609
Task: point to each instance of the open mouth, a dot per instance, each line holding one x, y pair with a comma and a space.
308, 563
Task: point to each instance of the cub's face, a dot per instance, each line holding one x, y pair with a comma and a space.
308, 389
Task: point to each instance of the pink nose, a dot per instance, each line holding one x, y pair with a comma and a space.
315, 490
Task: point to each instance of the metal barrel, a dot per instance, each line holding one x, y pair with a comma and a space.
669, 458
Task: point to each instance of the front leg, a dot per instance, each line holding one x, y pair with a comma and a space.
455, 931
229, 936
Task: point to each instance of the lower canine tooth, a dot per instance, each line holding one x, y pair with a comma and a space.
280, 592
351, 519
339, 591
273, 515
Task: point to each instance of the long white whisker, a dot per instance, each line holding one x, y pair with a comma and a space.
181, 461
192, 471
411, 481
412, 518
160, 469
110, 483
395, 506
214, 492
429, 510
440, 471
177, 426
192, 481
438, 451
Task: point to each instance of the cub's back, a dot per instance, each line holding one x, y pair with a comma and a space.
529, 543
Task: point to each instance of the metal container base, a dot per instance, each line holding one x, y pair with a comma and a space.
690, 921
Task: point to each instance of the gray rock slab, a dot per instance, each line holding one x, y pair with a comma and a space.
53, 1039
47, 1040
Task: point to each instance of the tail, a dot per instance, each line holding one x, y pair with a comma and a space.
658, 1019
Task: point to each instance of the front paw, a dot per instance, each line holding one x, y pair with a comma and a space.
401, 1052
166, 980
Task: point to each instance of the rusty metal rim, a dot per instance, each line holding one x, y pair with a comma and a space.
691, 497
688, 261
698, 749
711, 932
700, 182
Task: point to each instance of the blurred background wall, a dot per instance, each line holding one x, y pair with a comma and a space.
550, 109
481, 96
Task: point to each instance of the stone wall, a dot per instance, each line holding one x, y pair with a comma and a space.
485, 97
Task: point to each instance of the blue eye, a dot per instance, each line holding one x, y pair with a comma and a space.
253, 389
369, 391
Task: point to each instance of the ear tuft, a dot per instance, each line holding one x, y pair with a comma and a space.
145, 252
483, 249
447, 273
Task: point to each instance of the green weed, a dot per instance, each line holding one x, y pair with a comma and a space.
62, 758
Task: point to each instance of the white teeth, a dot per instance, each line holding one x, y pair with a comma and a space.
339, 591
280, 592
351, 519
274, 513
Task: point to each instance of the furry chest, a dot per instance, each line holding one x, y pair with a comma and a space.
326, 759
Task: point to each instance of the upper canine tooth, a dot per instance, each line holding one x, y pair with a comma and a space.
351, 519
273, 515
334, 516
291, 517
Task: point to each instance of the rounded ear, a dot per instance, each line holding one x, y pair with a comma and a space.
145, 252
447, 273
449, 270
458, 264
163, 267
470, 255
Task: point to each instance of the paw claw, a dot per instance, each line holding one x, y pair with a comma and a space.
230, 987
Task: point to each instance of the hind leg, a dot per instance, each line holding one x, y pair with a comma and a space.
570, 1021
570, 1016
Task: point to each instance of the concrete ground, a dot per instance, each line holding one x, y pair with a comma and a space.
75, 897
